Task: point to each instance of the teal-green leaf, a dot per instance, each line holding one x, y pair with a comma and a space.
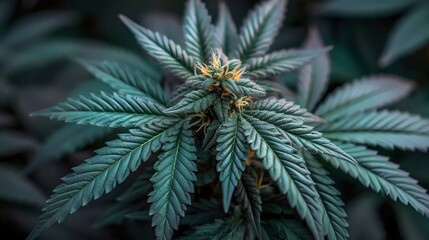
100, 174
106, 110
173, 181
164, 50
280, 62
195, 101
367, 93
226, 31
199, 39
387, 129
127, 80
228, 229
13, 142
298, 134
288, 170
334, 217
231, 156
286, 229
382, 176
244, 88
314, 77
66, 140
259, 29
400, 43
365, 8
250, 199
203, 211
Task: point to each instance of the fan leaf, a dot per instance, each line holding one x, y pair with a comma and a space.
195, 101
382, 176
127, 80
100, 174
231, 156
288, 170
387, 129
367, 93
259, 29
173, 181
164, 50
226, 31
106, 110
278, 63
199, 39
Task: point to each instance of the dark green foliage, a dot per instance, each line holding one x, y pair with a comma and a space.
222, 133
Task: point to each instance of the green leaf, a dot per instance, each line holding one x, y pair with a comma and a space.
196, 101
249, 197
382, 176
226, 31
100, 174
400, 43
29, 29
280, 62
297, 133
127, 80
65, 140
286, 229
13, 142
17, 189
334, 217
349, 8
367, 93
202, 212
164, 50
231, 156
387, 129
288, 170
314, 77
282, 106
259, 29
244, 88
106, 110
173, 181
199, 39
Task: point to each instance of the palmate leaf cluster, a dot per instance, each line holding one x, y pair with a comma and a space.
261, 158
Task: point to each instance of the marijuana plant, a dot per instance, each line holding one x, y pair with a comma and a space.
222, 134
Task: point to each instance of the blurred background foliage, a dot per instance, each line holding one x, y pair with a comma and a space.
39, 39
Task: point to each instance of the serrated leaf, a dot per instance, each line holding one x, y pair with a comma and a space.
196, 101
248, 195
297, 133
400, 43
314, 77
226, 31
222, 109
334, 217
387, 129
173, 181
259, 29
106, 110
367, 93
65, 140
244, 88
231, 156
382, 176
288, 170
280, 62
199, 39
164, 50
347, 8
100, 174
229, 229
127, 80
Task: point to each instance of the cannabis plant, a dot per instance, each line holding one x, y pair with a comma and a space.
251, 164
